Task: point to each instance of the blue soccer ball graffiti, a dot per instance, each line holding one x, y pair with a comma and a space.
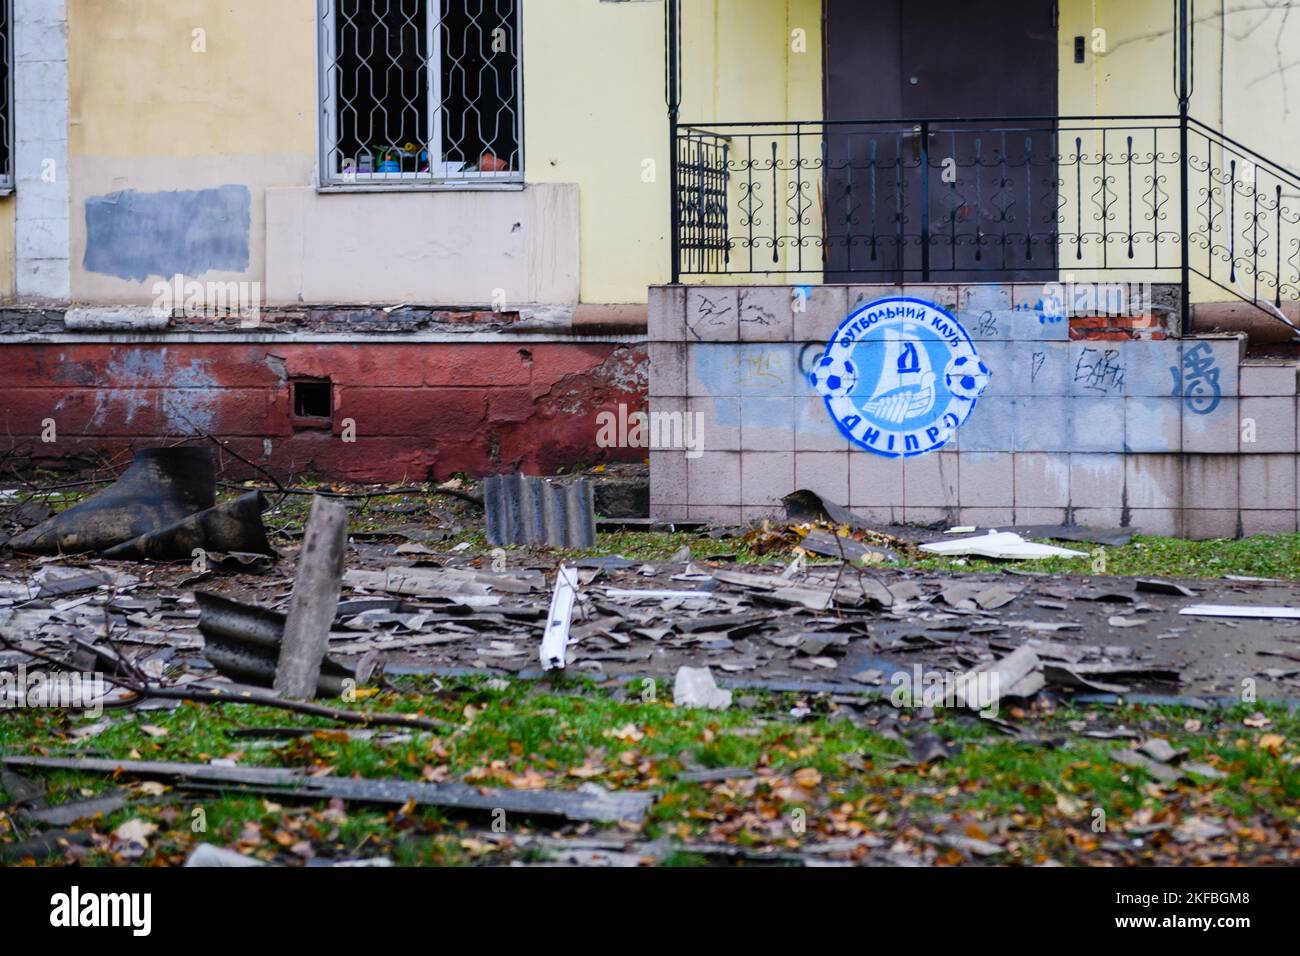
834, 377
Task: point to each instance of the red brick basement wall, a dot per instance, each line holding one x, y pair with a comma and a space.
394, 411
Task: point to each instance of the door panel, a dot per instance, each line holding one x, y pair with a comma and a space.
982, 192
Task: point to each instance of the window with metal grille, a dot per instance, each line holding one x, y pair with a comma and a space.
6, 95
420, 92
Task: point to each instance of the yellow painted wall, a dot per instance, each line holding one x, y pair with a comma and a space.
594, 111
151, 112
7, 271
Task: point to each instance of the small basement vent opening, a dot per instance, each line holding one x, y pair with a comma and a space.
313, 399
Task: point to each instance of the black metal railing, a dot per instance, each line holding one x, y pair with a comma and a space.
1244, 230
1012, 198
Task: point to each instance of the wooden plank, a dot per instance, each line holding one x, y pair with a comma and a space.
315, 598
591, 805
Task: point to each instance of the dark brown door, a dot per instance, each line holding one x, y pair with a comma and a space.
942, 185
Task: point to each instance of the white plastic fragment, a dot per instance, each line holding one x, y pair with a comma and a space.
556, 638
1000, 544
695, 687
1240, 610
206, 854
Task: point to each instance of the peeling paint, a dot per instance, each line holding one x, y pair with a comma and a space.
142, 377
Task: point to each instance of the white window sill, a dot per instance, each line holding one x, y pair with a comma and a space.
396, 185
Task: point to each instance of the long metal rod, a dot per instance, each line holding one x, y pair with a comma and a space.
1184, 98
673, 95
1171, 118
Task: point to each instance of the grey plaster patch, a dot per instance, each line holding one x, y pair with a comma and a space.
135, 235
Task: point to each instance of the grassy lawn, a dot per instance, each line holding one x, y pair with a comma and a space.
820, 772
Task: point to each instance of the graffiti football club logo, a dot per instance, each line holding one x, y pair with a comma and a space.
899, 377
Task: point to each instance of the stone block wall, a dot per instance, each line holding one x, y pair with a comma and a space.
1102, 421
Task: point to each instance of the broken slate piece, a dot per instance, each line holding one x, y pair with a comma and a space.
1154, 586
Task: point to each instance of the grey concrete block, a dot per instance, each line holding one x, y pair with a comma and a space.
1268, 425
1153, 424
1267, 482
986, 325
815, 430
930, 481
766, 478
1204, 525
1043, 368
1154, 481
666, 318
712, 315
670, 512
766, 314
990, 427
875, 482
767, 424
1043, 424
1268, 378
1042, 480
1029, 516
1098, 369
987, 518
1206, 362
718, 420
860, 295
713, 479
880, 517
1030, 295
930, 517
1151, 368
1213, 432
1097, 424
1097, 481
770, 370
1097, 518
1163, 522
712, 369
1003, 380
944, 296
721, 515
667, 478
987, 480
1268, 522
824, 308
825, 472
985, 296
1211, 482
667, 368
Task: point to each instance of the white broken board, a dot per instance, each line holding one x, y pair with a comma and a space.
1000, 544
1241, 610
556, 638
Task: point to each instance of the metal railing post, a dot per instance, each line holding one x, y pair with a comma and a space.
672, 94
1182, 47
925, 201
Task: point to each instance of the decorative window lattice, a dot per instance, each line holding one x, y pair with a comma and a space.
420, 92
